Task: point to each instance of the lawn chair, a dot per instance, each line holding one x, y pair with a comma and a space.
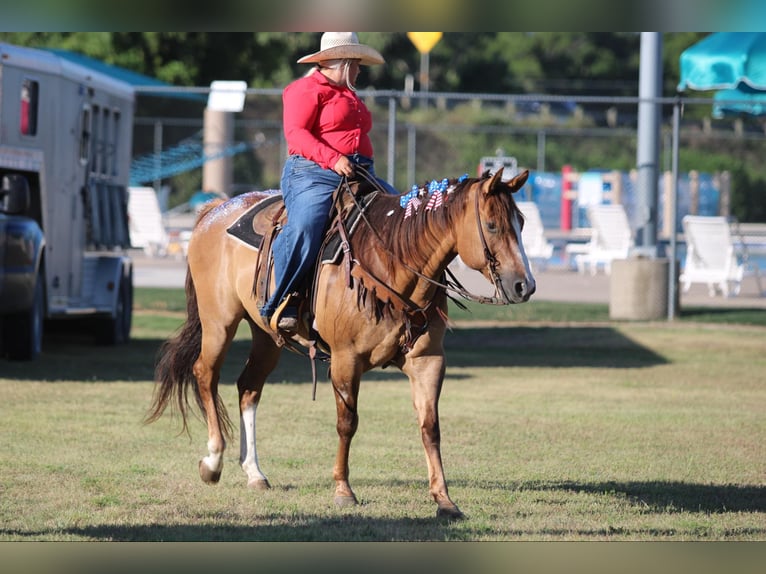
147, 230
611, 238
713, 258
536, 246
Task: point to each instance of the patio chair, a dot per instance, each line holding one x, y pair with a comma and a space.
147, 230
611, 238
713, 257
536, 246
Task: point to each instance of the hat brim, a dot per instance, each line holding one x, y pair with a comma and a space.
367, 56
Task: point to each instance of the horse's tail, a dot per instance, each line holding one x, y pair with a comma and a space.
174, 371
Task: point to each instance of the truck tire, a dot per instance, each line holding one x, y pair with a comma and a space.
116, 330
23, 332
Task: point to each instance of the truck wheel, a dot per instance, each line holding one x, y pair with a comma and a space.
23, 332
116, 330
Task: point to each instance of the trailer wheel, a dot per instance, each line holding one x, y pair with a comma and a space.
23, 332
116, 330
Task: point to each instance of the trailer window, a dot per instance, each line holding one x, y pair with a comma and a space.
28, 113
116, 136
94, 140
107, 143
85, 135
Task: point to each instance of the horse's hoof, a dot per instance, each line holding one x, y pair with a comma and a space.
208, 476
449, 513
342, 501
259, 484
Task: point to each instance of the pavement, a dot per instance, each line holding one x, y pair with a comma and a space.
553, 284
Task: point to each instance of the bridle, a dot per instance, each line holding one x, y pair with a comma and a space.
452, 285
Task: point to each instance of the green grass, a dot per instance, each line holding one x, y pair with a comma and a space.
582, 429
159, 299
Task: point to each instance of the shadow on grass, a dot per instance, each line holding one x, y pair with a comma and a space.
671, 496
659, 497
68, 358
548, 346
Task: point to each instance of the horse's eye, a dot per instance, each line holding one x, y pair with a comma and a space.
491, 226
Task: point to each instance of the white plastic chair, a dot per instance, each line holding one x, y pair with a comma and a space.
611, 238
712, 256
536, 245
147, 230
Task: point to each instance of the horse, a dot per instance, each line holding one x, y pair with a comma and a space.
384, 304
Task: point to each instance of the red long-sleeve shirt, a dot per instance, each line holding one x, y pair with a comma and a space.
323, 121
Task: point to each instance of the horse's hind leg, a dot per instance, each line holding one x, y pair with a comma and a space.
207, 370
264, 355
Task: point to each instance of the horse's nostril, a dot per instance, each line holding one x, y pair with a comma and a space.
521, 288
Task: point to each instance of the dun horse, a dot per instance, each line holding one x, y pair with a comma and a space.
384, 303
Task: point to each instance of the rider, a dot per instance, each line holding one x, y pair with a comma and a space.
326, 126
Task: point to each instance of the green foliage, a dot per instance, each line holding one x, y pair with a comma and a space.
564, 63
489, 62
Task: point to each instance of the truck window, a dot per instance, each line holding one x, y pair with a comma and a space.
28, 112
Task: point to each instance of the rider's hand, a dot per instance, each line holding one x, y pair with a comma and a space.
344, 166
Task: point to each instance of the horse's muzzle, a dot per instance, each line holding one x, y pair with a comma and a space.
522, 290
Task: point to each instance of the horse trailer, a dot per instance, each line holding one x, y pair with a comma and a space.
65, 149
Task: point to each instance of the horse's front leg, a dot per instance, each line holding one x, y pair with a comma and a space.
426, 374
264, 355
345, 382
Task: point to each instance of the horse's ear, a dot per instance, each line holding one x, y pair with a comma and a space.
518, 182
493, 184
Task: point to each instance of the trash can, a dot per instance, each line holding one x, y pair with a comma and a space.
638, 289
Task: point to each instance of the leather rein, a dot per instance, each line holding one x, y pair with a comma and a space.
453, 285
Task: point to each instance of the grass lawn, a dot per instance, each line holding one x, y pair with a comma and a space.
579, 429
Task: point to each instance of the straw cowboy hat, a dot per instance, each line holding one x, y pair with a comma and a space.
340, 45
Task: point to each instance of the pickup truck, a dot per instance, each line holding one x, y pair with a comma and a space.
22, 288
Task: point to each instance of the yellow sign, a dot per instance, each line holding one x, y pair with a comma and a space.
424, 41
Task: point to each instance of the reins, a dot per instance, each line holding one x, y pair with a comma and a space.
453, 285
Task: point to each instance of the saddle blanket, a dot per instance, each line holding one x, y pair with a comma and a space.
259, 219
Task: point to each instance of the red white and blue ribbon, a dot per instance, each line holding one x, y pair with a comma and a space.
435, 191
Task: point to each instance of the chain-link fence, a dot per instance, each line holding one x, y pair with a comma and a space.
418, 138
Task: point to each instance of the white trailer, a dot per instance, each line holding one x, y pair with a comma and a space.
65, 150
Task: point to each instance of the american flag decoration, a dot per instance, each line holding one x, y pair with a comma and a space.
405, 199
437, 191
434, 201
412, 207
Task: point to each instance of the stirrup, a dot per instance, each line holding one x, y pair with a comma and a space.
288, 324
276, 321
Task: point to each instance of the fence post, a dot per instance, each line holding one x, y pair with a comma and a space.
724, 203
694, 192
565, 220
391, 173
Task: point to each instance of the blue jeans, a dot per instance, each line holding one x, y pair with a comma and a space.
307, 190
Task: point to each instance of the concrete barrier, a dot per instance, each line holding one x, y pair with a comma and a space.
638, 289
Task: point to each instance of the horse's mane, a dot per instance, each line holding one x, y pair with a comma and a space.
407, 237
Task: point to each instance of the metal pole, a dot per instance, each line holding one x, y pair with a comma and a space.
391, 173
157, 156
650, 88
673, 198
541, 151
411, 155
424, 81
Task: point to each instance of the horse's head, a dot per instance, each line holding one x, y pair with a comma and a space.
490, 236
